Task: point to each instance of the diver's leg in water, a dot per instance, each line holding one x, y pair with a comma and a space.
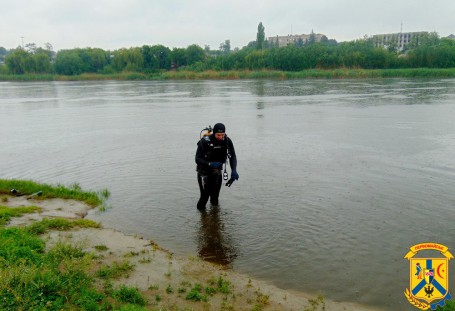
215, 186
204, 189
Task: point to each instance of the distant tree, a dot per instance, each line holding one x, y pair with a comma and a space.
428, 50
447, 42
20, 61
148, 57
51, 54
97, 59
225, 47
16, 62
324, 39
77, 61
68, 62
432, 39
299, 43
3, 53
31, 47
42, 63
128, 59
424, 39
156, 57
194, 54
119, 59
48, 46
255, 60
162, 56
392, 47
251, 44
312, 38
178, 57
260, 37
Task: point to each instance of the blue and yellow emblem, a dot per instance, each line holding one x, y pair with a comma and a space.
428, 277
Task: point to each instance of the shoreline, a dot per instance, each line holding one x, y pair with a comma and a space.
337, 73
158, 273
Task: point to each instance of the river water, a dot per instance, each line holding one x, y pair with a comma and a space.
338, 178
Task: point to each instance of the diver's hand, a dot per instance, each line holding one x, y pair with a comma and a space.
235, 175
215, 164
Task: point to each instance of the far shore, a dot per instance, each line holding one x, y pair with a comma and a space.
182, 74
158, 273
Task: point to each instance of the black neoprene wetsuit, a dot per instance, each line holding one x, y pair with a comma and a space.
209, 149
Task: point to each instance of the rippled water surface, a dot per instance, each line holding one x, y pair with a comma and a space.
337, 178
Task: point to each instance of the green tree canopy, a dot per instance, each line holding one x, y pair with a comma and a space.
42, 63
178, 57
194, 54
312, 38
225, 47
260, 37
68, 62
156, 57
16, 61
128, 59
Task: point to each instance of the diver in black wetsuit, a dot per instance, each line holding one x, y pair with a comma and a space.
211, 153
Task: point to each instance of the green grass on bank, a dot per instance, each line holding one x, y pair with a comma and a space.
6, 213
28, 187
341, 73
61, 278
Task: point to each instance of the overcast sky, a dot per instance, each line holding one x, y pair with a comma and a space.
114, 24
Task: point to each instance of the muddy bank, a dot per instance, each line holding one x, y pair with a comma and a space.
164, 279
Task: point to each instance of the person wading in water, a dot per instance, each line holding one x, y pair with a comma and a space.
212, 152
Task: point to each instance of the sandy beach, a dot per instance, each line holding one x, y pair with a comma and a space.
163, 278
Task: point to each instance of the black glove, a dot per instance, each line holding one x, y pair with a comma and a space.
215, 164
234, 175
229, 182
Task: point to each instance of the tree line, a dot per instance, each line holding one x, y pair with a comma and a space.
427, 50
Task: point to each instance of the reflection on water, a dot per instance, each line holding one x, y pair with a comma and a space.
214, 241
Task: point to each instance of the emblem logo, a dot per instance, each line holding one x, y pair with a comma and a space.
428, 277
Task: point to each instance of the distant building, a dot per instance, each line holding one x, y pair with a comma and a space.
401, 39
451, 37
293, 39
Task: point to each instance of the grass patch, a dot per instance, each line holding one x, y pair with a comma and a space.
115, 271
45, 225
28, 187
145, 260
19, 245
6, 213
61, 279
195, 294
169, 289
315, 303
339, 73
129, 295
101, 248
220, 285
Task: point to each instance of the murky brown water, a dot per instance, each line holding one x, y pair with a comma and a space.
337, 178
